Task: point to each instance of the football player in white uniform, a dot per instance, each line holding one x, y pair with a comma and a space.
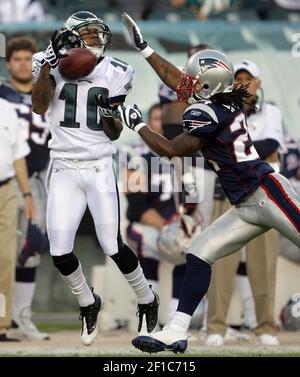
81, 171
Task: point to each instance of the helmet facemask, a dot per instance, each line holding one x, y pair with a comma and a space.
79, 34
99, 42
188, 87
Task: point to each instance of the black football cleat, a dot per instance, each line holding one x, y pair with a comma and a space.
88, 317
149, 312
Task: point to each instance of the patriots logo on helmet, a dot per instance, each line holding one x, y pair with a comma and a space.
209, 63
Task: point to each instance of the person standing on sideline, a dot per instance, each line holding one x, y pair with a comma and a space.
32, 235
13, 150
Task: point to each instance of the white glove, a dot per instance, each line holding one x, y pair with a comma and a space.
136, 37
131, 117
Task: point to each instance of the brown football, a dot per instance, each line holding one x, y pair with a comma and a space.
80, 62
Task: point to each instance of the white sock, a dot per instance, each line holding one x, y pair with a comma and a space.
248, 305
173, 304
77, 283
181, 322
154, 284
140, 286
23, 297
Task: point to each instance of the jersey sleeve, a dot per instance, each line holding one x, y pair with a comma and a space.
121, 80
201, 121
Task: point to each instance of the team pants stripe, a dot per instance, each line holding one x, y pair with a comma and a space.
278, 195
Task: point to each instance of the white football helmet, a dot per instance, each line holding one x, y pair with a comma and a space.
84, 20
206, 73
175, 238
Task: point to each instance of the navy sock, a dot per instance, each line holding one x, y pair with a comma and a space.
195, 284
178, 277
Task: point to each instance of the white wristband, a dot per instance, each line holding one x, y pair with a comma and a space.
140, 126
147, 52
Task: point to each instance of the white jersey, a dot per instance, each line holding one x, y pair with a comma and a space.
266, 124
13, 145
75, 123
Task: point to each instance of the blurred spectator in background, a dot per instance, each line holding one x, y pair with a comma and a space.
13, 149
202, 8
32, 235
21, 11
288, 4
291, 161
139, 9
290, 165
153, 215
148, 209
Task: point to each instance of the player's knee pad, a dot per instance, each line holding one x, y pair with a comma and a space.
110, 245
66, 264
61, 242
125, 259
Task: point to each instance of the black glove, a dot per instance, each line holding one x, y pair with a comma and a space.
105, 109
134, 31
52, 53
131, 117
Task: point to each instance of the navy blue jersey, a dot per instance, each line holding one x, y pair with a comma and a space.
228, 147
290, 162
35, 127
158, 193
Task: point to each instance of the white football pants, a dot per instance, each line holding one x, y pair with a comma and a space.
74, 184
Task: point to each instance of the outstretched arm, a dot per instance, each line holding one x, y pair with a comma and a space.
182, 145
168, 73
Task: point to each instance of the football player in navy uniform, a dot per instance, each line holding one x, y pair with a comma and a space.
215, 124
32, 235
264, 122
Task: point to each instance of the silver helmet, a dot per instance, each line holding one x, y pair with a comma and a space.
175, 238
206, 73
83, 20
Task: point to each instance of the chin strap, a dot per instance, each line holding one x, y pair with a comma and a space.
97, 51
